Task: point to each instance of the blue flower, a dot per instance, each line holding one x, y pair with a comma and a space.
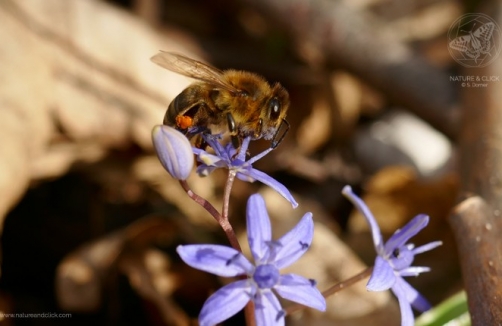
263, 278
226, 156
173, 150
394, 260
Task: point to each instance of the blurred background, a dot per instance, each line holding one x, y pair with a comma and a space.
89, 218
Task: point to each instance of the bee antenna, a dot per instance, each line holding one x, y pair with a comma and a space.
278, 136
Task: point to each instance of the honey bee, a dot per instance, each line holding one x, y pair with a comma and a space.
238, 101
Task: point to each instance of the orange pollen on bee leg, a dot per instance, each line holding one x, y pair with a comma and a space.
183, 122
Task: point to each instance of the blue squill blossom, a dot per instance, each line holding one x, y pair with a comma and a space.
226, 156
173, 150
394, 260
263, 280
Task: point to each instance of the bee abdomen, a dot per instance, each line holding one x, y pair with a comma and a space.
188, 100
172, 112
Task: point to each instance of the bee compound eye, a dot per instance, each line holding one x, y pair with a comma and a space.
274, 107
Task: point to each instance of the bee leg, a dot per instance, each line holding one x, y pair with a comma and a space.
200, 142
278, 136
233, 131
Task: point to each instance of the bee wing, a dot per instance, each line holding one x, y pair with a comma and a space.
192, 68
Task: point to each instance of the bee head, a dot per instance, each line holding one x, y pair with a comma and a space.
274, 111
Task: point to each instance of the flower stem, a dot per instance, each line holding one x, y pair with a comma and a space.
224, 223
226, 195
351, 281
249, 314
335, 288
249, 308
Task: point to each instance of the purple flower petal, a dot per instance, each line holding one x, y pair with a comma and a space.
259, 156
401, 258
225, 303
262, 279
204, 170
412, 296
401, 236
224, 157
408, 294
229, 152
365, 211
394, 260
210, 159
219, 150
268, 310
173, 150
258, 227
243, 150
301, 290
295, 243
244, 177
413, 271
215, 259
407, 318
198, 151
427, 247
271, 182
382, 278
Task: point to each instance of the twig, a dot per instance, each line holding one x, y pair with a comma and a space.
480, 251
477, 220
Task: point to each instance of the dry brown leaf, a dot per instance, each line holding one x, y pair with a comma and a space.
148, 273
80, 67
82, 276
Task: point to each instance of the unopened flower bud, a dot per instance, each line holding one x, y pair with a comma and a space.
173, 150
